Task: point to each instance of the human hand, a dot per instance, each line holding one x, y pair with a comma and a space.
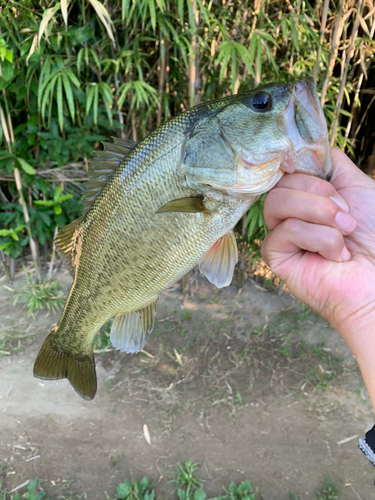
322, 245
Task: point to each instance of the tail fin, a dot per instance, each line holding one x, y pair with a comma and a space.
51, 364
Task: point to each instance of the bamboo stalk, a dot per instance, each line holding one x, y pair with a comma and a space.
321, 38
9, 138
353, 109
50, 271
161, 76
334, 50
5, 266
345, 73
193, 63
34, 253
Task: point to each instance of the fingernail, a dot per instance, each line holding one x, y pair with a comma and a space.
345, 255
345, 222
341, 203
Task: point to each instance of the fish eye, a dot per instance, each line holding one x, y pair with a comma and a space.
260, 102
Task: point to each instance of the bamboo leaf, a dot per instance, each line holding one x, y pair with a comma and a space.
64, 11
26, 167
181, 10
69, 95
47, 16
96, 98
293, 33
90, 98
125, 9
48, 93
32, 49
252, 48
60, 110
105, 18
364, 25
73, 78
152, 14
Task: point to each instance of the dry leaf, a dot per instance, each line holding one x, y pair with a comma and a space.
64, 11
32, 49
146, 434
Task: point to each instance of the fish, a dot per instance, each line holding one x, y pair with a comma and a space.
155, 210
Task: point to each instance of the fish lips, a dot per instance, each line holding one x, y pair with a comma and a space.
304, 124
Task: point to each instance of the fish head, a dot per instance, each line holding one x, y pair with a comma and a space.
245, 147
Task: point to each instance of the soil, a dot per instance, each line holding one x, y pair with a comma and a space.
248, 384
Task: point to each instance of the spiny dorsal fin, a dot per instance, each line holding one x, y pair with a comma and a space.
64, 242
218, 263
131, 331
102, 167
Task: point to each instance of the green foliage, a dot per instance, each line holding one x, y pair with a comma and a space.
329, 491
38, 296
185, 478
32, 493
243, 491
131, 490
74, 74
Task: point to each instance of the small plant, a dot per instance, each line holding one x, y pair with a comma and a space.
131, 490
243, 491
37, 296
32, 493
329, 491
185, 478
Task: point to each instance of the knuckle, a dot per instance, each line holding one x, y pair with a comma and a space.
293, 225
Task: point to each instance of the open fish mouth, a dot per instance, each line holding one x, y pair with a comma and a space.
304, 123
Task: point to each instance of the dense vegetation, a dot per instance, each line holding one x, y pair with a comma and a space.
77, 71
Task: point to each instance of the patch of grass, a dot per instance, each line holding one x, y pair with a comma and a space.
14, 335
329, 491
38, 296
185, 478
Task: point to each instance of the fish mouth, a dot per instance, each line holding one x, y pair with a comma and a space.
304, 124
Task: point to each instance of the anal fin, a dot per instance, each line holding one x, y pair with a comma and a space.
218, 263
130, 331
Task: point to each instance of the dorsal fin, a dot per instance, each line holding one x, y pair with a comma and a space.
102, 166
64, 242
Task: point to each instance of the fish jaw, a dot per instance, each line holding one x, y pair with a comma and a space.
304, 124
246, 153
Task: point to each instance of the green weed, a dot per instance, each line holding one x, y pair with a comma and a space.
185, 478
131, 490
38, 296
329, 491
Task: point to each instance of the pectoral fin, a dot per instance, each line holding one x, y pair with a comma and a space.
218, 263
191, 204
131, 331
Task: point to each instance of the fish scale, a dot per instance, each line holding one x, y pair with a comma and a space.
161, 211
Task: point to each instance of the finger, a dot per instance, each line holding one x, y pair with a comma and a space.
283, 203
294, 235
312, 185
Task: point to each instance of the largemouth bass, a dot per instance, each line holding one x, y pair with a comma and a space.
155, 210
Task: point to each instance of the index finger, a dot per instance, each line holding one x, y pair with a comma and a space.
312, 185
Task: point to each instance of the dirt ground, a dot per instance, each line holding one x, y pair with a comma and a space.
250, 385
